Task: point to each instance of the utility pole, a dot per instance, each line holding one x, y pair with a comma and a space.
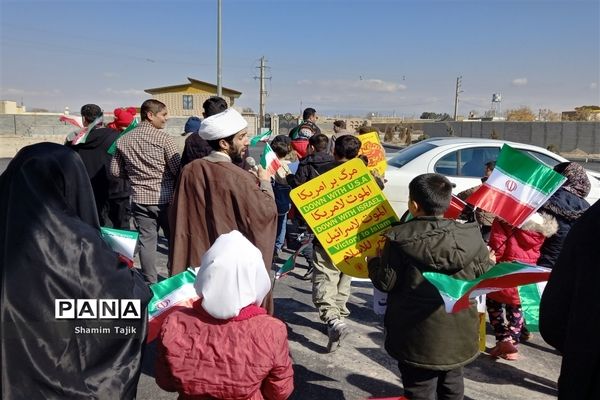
219, 83
262, 92
458, 82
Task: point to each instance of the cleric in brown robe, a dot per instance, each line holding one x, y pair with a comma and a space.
213, 197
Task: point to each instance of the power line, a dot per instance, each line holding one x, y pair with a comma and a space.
458, 83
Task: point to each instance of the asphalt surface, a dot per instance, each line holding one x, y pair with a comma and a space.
361, 369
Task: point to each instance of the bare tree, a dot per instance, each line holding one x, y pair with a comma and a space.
522, 114
548, 115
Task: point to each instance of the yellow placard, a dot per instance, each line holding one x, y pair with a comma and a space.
372, 148
348, 214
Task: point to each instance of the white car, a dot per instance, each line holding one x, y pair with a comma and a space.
462, 161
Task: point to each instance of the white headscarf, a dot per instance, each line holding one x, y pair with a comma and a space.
232, 275
222, 125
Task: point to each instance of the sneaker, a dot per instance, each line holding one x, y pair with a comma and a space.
308, 275
337, 331
505, 349
510, 356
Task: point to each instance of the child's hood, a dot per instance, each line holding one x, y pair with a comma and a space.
541, 222
438, 244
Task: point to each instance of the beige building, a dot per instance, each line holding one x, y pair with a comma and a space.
186, 99
10, 107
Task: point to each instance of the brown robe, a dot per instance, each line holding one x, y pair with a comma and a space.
213, 196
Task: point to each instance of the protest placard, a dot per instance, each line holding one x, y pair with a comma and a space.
348, 214
372, 148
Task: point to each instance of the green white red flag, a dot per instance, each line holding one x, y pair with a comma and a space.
172, 294
517, 187
261, 138
455, 209
290, 263
122, 242
82, 135
72, 121
456, 293
269, 160
530, 303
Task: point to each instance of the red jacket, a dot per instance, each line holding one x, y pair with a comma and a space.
246, 357
518, 244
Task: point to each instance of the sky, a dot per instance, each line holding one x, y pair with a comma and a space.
342, 57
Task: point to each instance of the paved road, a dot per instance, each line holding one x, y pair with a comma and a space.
361, 368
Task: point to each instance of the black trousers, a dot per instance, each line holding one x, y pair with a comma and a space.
425, 384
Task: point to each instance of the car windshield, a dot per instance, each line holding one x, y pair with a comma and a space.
405, 156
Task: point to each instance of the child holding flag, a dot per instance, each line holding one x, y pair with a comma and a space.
282, 146
514, 244
431, 345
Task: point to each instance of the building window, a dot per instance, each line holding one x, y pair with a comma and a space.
188, 102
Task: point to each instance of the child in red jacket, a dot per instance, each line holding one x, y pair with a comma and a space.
226, 346
514, 244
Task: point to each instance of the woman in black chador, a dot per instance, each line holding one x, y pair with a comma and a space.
51, 248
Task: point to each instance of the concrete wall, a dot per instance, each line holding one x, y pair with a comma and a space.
567, 136
44, 125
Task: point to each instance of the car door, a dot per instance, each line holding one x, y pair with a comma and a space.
464, 166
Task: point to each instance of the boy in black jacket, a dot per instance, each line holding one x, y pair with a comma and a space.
431, 346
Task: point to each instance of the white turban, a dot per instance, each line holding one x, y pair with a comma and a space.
232, 275
222, 125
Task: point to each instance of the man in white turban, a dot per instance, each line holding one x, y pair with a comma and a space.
213, 197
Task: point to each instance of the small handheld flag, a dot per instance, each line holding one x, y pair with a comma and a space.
82, 135
172, 294
269, 160
122, 242
517, 187
261, 138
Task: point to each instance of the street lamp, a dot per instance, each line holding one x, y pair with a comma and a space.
219, 84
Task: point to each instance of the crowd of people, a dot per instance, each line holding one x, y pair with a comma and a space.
228, 219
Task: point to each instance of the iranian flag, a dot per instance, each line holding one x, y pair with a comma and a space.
269, 160
72, 121
261, 138
290, 263
82, 135
518, 186
455, 209
122, 242
456, 293
530, 302
172, 294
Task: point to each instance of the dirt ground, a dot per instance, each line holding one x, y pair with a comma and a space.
10, 145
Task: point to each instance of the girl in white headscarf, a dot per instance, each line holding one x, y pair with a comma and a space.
226, 346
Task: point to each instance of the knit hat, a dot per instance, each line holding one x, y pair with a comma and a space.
124, 117
222, 125
192, 125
